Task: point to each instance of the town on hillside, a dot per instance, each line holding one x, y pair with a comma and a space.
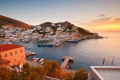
46, 33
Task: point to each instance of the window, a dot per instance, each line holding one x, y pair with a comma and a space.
11, 53
15, 52
14, 59
22, 56
5, 55
20, 50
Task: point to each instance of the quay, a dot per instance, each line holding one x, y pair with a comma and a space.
32, 63
66, 61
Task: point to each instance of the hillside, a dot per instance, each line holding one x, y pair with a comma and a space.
67, 26
12, 22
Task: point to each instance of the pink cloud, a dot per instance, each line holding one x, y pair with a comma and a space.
102, 21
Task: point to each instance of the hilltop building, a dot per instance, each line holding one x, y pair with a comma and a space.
14, 53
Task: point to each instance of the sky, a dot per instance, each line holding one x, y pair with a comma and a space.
93, 15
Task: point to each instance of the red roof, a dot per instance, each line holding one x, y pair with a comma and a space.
5, 47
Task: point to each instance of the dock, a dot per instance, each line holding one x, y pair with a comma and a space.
66, 61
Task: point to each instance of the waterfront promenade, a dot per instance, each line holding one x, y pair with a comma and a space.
32, 63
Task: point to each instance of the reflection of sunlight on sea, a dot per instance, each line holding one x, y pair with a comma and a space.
86, 53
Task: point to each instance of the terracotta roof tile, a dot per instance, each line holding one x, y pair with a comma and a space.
5, 47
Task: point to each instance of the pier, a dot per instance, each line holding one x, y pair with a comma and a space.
66, 61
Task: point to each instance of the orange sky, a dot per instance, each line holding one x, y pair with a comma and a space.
103, 24
105, 28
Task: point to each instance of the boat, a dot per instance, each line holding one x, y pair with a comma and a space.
73, 40
45, 45
28, 53
57, 44
41, 60
34, 59
25, 41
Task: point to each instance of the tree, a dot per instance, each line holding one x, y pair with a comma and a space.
80, 75
30, 74
69, 27
48, 67
83, 31
69, 75
56, 69
5, 74
41, 71
52, 68
25, 66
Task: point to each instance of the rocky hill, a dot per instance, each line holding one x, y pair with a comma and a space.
67, 26
5, 21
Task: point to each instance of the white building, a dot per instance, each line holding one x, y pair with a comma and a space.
104, 73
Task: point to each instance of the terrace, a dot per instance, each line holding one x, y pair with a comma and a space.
105, 73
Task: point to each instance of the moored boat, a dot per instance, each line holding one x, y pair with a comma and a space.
41, 61
34, 59
73, 40
45, 45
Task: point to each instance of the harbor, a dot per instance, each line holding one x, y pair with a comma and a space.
34, 61
84, 56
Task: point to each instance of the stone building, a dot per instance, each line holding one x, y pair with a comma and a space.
14, 53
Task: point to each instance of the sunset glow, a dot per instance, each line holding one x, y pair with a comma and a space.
95, 17
106, 28
103, 24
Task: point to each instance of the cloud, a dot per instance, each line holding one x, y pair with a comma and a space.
101, 15
103, 21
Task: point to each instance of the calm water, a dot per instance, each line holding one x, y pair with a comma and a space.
86, 53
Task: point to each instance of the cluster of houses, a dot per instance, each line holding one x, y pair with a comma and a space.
54, 33
16, 34
11, 34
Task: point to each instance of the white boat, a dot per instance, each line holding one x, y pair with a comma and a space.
34, 59
33, 53
73, 40
41, 60
25, 41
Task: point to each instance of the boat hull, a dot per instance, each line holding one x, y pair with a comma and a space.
45, 45
73, 41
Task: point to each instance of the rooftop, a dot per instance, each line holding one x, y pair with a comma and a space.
6, 47
107, 72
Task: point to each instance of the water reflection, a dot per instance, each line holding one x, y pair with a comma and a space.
86, 53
